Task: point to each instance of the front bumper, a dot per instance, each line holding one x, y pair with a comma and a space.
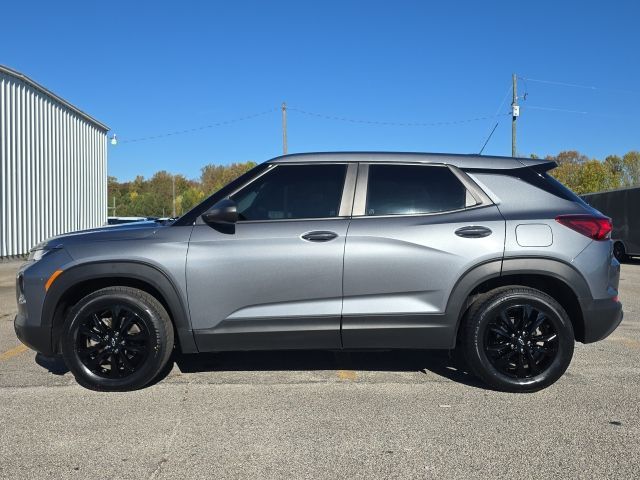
36, 337
601, 317
32, 323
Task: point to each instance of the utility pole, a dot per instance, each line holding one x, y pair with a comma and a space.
173, 186
284, 128
515, 113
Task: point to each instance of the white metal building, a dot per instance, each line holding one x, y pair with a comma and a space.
53, 165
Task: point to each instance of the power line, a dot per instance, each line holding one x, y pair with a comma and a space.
504, 99
363, 121
309, 113
580, 112
561, 84
388, 123
577, 85
204, 127
553, 109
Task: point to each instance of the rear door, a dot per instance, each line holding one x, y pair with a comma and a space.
416, 229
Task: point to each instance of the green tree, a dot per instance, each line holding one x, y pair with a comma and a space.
631, 162
594, 176
568, 174
214, 177
190, 198
615, 166
569, 156
584, 175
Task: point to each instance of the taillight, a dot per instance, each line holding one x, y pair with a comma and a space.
597, 228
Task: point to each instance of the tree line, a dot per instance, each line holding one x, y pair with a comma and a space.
153, 197
586, 175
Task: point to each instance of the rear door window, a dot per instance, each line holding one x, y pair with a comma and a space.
413, 189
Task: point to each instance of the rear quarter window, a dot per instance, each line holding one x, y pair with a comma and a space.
561, 190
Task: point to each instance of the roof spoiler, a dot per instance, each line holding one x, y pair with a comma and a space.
516, 164
539, 166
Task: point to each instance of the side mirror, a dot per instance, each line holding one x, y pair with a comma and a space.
224, 212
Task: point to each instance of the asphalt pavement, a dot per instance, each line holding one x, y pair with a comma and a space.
323, 415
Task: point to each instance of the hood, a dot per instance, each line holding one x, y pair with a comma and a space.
125, 231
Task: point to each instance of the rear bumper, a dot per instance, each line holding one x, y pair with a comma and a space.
601, 317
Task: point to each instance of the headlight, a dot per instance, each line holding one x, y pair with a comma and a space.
39, 251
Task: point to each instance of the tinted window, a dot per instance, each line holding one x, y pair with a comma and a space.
562, 191
293, 191
407, 189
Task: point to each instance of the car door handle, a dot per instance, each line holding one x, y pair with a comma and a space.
473, 231
320, 236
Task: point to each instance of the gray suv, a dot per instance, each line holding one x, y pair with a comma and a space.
490, 255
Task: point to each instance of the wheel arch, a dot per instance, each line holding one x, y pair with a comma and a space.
82, 279
554, 277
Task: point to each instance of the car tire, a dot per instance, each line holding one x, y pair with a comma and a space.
517, 339
117, 339
620, 252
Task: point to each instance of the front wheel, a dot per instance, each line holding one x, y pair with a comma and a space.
518, 339
117, 339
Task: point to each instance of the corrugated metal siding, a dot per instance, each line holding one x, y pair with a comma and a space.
53, 168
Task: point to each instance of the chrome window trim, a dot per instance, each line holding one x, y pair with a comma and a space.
348, 190
477, 193
290, 220
401, 215
360, 198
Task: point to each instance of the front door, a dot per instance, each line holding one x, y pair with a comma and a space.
274, 280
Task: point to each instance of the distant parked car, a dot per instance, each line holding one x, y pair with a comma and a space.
623, 206
121, 220
337, 251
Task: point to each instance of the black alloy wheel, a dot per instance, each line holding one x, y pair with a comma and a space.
117, 339
521, 341
517, 339
113, 342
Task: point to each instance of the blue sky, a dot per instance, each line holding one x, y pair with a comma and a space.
149, 68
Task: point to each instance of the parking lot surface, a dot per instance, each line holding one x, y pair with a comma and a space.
323, 415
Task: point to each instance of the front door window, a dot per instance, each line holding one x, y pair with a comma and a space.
290, 192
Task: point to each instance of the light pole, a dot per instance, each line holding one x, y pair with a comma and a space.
173, 188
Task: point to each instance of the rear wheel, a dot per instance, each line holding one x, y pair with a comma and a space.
117, 339
518, 339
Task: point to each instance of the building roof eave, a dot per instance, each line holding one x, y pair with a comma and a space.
20, 76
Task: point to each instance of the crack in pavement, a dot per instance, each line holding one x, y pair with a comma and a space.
165, 454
